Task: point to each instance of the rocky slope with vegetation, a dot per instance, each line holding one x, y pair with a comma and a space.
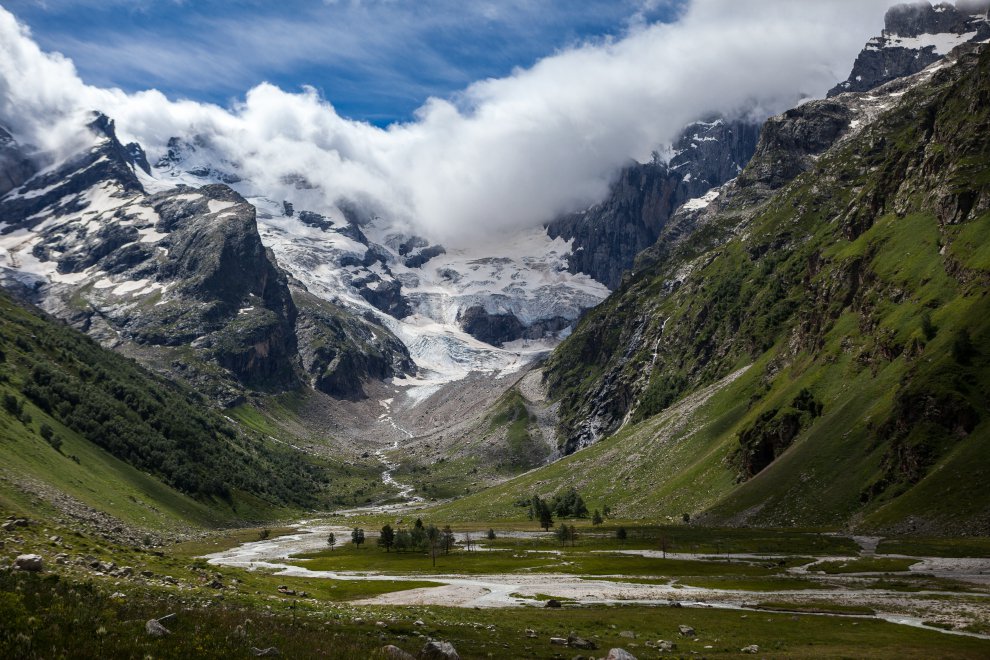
86, 426
847, 264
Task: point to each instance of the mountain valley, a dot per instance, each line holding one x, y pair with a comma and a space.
761, 352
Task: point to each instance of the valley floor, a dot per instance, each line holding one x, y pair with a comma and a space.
790, 593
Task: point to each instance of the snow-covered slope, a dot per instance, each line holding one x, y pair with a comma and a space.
492, 307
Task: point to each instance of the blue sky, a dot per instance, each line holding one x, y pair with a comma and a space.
375, 60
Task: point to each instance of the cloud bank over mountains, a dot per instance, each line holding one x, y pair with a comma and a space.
504, 153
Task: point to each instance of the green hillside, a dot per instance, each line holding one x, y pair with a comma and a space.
857, 292
98, 427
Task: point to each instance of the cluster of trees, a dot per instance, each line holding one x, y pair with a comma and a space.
146, 421
569, 504
420, 538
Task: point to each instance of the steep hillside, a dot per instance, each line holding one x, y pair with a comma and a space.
849, 264
102, 430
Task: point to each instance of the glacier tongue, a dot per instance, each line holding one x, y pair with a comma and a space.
523, 274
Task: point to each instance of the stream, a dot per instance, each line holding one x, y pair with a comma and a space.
521, 589
388, 474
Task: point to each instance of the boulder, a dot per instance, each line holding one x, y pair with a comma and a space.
628, 634
665, 645
558, 641
32, 563
270, 652
530, 633
619, 654
155, 629
686, 631
395, 653
576, 642
752, 648
436, 650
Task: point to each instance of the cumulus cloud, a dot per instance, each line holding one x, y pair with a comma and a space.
504, 153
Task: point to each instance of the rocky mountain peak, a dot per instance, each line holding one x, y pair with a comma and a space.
916, 35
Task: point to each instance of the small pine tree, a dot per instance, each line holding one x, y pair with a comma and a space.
596, 518
546, 516
433, 537
621, 535
572, 534
386, 538
491, 534
357, 537
331, 540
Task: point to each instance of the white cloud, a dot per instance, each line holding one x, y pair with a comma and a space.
505, 153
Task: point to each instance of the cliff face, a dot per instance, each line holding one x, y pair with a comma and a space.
915, 35
608, 236
845, 261
15, 166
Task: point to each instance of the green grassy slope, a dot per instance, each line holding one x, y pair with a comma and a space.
81, 420
858, 292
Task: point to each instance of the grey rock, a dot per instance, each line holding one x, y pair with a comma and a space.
501, 327
437, 650
686, 631
665, 645
15, 166
395, 653
628, 634
558, 641
576, 642
269, 652
30, 563
530, 633
619, 654
752, 648
155, 629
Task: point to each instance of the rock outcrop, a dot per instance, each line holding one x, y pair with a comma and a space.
608, 236
915, 35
